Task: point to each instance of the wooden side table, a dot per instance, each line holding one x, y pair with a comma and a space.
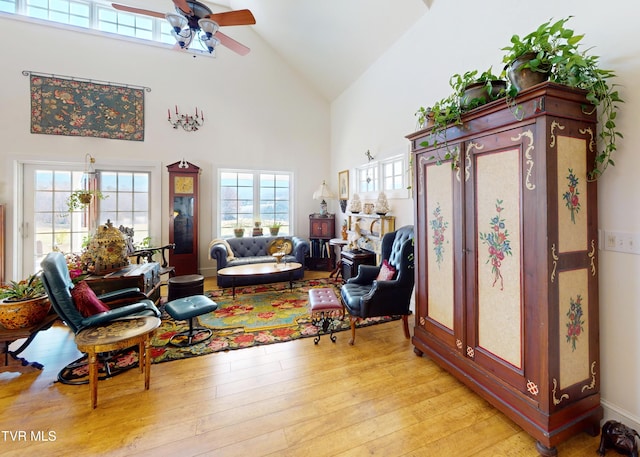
119, 334
337, 270
351, 261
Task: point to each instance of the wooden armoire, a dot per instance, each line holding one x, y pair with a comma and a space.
507, 259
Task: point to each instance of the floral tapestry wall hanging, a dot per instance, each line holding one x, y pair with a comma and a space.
70, 107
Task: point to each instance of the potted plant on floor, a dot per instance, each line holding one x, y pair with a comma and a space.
23, 303
554, 51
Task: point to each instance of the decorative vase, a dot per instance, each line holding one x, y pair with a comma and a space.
25, 313
523, 78
344, 233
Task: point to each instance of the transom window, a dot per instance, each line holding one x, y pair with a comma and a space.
389, 175
248, 196
93, 15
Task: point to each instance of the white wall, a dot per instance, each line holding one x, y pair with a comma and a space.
459, 35
260, 114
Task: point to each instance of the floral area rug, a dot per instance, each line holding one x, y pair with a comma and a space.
260, 314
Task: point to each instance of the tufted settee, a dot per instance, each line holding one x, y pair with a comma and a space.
254, 249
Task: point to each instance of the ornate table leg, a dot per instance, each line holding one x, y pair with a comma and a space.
93, 378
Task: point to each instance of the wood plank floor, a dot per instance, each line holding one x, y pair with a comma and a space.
289, 399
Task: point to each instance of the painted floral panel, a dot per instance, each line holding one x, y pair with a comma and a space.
497, 240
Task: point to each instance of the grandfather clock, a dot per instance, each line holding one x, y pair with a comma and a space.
183, 210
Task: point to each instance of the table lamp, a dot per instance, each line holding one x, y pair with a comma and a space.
323, 193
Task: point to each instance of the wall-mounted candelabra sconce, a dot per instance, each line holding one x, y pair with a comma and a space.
187, 122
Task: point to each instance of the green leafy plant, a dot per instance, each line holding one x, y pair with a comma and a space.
555, 49
26, 289
475, 90
275, 225
80, 199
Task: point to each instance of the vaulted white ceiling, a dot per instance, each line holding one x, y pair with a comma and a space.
330, 42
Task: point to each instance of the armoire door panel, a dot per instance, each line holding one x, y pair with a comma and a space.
499, 255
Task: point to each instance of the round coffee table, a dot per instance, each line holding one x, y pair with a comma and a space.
115, 335
259, 269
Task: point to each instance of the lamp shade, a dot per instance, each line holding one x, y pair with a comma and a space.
177, 21
323, 192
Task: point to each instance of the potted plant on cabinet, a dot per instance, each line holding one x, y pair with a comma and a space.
23, 303
554, 51
473, 90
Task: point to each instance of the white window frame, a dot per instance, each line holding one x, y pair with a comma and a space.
377, 172
23, 265
290, 229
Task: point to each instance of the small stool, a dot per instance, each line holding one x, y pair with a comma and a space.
185, 286
326, 309
188, 308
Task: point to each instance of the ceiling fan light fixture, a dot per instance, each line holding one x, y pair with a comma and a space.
176, 21
183, 40
208, 26
211, 43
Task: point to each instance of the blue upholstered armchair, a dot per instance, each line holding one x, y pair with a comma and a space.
58, 284
367, 296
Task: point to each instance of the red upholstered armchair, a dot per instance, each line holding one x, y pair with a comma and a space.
372, 294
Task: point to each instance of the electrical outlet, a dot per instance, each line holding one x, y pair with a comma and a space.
610, 241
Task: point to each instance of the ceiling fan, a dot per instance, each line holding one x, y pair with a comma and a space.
192, 17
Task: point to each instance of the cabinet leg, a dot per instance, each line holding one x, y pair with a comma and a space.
417, 351
546, 451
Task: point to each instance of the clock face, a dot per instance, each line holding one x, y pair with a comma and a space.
183, 184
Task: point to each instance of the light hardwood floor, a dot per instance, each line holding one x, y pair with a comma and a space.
289, 399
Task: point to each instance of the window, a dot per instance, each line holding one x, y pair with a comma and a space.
46, 190
248, 196
126, 201
389, 175
93, 15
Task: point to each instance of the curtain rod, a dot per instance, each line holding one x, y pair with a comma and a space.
71, 78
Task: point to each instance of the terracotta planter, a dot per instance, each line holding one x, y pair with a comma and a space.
274, 230
239, 233
25, 313
523, 78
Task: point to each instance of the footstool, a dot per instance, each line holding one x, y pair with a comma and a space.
326, 311
188, 308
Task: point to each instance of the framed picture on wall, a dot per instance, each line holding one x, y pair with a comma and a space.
343, 185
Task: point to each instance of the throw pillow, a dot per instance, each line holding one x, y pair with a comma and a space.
280, 245
387, 272
86, 300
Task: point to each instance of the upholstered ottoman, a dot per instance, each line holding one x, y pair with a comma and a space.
326, 311
185, 286
185, 308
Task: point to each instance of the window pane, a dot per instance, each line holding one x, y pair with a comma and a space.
246, 197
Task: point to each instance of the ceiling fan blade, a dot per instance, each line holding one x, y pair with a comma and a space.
183, 5
130, 9
238, 17
232, 44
